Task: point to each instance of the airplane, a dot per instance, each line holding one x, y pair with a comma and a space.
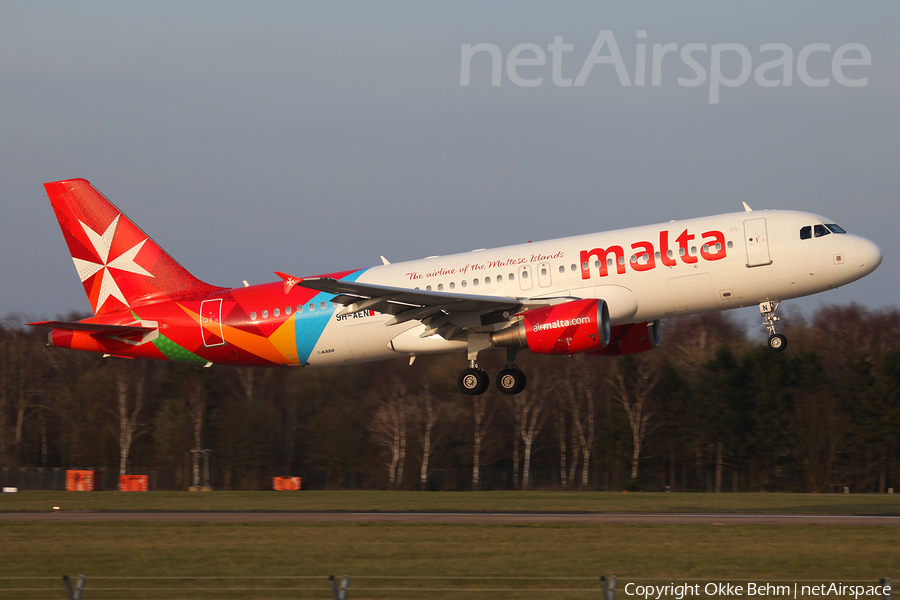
601, 294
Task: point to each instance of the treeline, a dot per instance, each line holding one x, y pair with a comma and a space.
709, 410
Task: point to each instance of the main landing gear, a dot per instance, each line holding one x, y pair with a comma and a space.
776, 341
474, 381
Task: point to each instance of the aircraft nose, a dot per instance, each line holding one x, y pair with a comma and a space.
868, 254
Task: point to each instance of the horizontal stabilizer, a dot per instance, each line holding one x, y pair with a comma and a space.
95, 328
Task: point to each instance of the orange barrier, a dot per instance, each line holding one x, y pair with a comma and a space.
133, 483
287, 484
83, 481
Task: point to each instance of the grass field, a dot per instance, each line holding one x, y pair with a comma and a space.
869, 504
576, 554
433, 561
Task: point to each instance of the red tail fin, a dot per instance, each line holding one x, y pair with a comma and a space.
118, 264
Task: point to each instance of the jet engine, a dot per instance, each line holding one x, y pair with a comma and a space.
568, 328
631, 339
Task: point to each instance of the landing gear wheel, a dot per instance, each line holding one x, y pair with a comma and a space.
511, 381
777, 342
473, 382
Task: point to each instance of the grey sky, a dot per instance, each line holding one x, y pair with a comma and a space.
248, 138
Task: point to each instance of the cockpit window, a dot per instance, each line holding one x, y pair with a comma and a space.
806, 232
821, 230
835, 228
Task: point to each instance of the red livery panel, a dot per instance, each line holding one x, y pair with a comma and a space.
570, 328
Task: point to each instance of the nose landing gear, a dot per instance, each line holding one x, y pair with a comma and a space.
776, 341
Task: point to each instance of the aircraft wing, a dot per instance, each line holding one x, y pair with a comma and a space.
445, 314
95, 328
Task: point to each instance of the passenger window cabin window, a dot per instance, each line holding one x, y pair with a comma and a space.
452, 285
299, 308
820, 230
487, 280
322, 305
427, 288
440, 287
312, 306
276, 312
475, 281
562, 269
265, 314
499, 278
253, 316
287, 310
806, 232
463, 283
574, 267
730, 245
512, 276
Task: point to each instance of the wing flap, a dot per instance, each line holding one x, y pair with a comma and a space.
446, 314
393, 300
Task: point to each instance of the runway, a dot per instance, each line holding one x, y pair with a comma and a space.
453, 518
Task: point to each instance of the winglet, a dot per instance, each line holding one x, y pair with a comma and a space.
289, 281
747, 208
385, 261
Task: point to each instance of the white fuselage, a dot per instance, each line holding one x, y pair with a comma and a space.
643, 273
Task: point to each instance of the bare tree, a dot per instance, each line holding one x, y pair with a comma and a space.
581, 402
427, 417
21, 374
633, 381
532, 417
193, 392
389, 426
253, 382
483, 418
130, 425
516, 403
560, 423
576, 451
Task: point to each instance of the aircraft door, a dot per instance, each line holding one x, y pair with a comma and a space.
757, 242
211, 323
543, 270
525, 280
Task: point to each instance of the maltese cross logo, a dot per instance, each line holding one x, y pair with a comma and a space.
123, 262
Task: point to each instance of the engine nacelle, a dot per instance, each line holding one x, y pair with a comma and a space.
631, 339
569, 328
